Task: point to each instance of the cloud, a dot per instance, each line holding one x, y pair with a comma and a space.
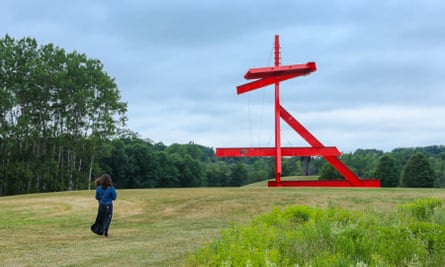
379, 83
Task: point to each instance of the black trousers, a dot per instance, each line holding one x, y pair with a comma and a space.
103, 219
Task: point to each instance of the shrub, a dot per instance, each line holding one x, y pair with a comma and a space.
418, 172
307, 236
387, 171
421, 209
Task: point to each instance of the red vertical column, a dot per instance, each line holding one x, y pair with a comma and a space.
277, 116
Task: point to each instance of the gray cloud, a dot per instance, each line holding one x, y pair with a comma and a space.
380, 78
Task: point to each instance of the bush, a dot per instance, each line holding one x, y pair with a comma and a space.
329, 173
421, 209
418, 172
306, 236
387, 171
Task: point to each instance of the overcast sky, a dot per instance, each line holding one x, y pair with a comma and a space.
379, 82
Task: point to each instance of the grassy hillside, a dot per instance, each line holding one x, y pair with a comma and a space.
156, 227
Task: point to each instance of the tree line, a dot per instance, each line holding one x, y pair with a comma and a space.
402, 167
141, 163
62, 123
56, 109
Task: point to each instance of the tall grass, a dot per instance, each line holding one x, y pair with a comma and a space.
161, 227
412, 235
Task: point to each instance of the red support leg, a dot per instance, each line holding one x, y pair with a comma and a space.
277, 116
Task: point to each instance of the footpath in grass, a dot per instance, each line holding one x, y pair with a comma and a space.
412, 235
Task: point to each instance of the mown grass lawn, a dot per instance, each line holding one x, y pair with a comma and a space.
156, 227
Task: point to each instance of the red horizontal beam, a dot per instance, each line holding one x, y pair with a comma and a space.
324, 183
276, 71
270, 151
333, 183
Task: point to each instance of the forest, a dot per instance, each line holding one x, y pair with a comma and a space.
138, 163
62, 123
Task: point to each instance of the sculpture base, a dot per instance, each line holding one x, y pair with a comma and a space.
332, 183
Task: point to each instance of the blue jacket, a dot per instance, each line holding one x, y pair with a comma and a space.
105, 195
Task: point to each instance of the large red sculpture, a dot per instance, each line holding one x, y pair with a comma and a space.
274, 75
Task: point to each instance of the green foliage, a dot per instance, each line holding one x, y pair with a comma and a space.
421, 209
137, 163
387, 171
329, 173
238, 174
56, 108
190, 165
418, 172
305, 236
292, 166
363, 161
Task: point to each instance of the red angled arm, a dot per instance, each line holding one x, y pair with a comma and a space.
270, 75
296, 69
262, 82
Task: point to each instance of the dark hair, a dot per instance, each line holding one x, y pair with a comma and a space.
106, 180
98, 181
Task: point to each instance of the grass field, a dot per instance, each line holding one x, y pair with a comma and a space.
156, 227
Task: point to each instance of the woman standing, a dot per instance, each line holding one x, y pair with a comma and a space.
97, 227
105, 194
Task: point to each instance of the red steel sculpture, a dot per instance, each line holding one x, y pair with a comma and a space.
274, 75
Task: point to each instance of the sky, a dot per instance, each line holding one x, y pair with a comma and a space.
379, 84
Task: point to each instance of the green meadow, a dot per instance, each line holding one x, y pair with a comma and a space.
162, 227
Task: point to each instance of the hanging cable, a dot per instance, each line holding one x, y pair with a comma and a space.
288, 140
260, 137
260, 125
250, 120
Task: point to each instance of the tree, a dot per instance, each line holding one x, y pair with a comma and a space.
238, 174
291, 167
441, 171
167, 174
56, 109
142, 164
190, 172
387, 171
418, 172
307, 165
329, 173
261, 169
217, 173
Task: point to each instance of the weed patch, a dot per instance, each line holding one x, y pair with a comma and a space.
412, 235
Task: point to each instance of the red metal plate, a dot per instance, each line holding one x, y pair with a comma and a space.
334, 183
295, 69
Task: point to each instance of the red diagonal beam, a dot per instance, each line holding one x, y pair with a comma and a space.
343, 170
270, 151
241, 89
299, 128
333, 160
